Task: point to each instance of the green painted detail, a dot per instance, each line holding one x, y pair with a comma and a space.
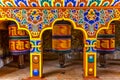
80, 21
102, 12
32, 42
81, 11
1, 3
92, 1
55, 16
45, 12
48, 1
23, 11
112, 16
38, 50
9, 4
24, 21
105, 3
102, 21
90, 59
45, 21
70, 11
70, 16
58, 5
19, 37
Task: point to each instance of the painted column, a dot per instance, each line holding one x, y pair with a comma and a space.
35, 58
90, 58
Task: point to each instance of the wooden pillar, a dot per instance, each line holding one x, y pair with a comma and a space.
36, 60
90, 59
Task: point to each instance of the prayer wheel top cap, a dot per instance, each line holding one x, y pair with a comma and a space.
62, 22
12, 23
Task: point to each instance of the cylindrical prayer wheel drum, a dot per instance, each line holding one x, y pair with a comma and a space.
19, 43
61, 40
106, 43
106, 40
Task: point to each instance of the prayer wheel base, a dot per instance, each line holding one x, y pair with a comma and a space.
61, 60
62, 66
21, 66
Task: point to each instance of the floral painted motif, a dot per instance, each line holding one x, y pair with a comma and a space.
91, 16
37, 19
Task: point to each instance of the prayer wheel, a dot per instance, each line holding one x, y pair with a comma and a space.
19, 43
61, 40
106, 42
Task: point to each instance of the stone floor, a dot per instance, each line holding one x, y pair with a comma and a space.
72, 71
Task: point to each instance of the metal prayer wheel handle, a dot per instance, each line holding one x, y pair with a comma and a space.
61, 60
21, 63
102, 59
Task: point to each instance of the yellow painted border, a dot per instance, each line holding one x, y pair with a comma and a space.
95, 63
31, 64
40, 63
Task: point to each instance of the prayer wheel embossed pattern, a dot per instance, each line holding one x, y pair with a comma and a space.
19, 42
61, 38
106, 40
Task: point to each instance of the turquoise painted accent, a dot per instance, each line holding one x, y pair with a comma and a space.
92, 1
45, 21
33, 42
38, 50
90, 59
102, 21
80, 21
47, 1
93, 41
89, 49
23, 11
24, 21
45, 12
9, 4
58, 4
55, 16
106, 3
1, 3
